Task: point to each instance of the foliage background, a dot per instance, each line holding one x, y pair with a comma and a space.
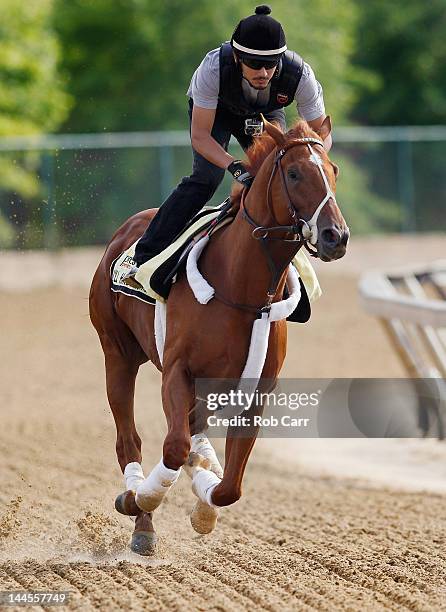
95, 66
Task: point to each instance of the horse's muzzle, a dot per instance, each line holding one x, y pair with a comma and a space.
332, 242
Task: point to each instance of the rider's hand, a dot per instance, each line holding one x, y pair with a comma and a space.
240, 173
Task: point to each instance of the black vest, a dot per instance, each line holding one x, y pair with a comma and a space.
283, 85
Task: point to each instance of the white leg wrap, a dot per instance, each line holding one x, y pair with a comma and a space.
151, 491
133, 476
202, 446
203, 485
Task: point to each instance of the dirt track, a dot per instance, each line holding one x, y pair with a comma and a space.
294, 541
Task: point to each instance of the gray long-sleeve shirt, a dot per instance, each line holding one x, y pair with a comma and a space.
205, 84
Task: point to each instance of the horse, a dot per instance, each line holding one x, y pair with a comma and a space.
291, 203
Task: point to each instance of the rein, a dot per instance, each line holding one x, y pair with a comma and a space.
304, 231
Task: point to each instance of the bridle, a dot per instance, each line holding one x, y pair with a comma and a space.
304, 231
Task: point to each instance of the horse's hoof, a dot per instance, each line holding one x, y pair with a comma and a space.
125, 504
144, 542
203, 518
148, 503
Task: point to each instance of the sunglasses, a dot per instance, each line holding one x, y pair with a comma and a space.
257, 64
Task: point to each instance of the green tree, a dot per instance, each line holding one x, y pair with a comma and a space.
130, 61
129, 64
402, 46
32, 97
402, 43
324, 33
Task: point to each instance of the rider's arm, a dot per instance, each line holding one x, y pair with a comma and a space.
310, 102
202, 141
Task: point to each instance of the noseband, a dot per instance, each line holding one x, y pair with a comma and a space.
303, 230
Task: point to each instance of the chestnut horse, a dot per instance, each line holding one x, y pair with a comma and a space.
291, 203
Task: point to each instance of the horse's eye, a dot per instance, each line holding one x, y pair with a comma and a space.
293, 174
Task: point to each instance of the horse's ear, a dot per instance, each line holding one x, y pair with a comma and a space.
274, 131
325, 130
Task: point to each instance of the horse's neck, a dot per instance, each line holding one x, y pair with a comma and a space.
236, 263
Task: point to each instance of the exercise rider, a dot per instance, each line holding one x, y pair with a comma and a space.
253, 73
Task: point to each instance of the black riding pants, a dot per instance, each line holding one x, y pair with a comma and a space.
195, 190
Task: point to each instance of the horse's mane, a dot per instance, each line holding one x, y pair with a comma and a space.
262, 147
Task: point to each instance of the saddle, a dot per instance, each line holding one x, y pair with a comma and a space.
155, 277
153, 280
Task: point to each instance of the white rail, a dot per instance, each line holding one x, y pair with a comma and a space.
411, 304
380, 296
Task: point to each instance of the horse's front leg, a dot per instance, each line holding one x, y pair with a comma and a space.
178, 399
239, 445
213, 490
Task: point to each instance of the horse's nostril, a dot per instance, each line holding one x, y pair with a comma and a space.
331, 237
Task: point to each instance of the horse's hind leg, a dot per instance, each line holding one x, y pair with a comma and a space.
120, 378
203, 517
200, 442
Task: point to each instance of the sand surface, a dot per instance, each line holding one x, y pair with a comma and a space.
318, 527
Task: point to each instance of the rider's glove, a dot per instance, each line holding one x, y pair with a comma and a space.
240, 173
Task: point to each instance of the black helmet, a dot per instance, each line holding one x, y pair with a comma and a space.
259, 36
